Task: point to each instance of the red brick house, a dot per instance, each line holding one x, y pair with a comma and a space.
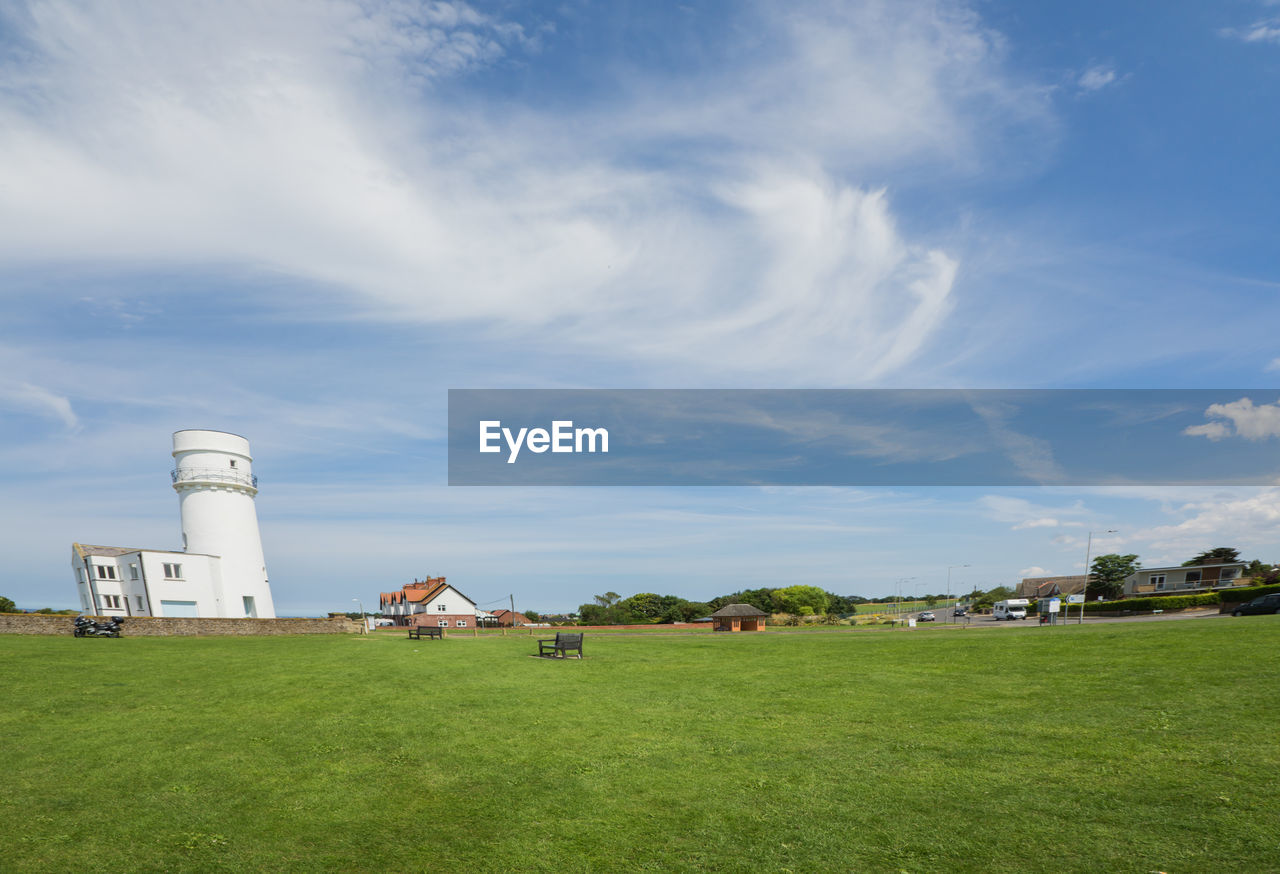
509, 619
429, 602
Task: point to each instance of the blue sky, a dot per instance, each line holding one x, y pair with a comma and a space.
306, 222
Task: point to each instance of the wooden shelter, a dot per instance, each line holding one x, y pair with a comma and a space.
738, 617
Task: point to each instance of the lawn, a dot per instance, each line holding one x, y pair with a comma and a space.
1137, 747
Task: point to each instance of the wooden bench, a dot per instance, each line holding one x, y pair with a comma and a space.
561, 646
417, 632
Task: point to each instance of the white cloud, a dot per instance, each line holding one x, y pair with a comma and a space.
1273, 366
323, 142
33, 398
1096, 78
1247, 522
1246, 420
1263, 30
1023, 514
1037, 523
1033, 571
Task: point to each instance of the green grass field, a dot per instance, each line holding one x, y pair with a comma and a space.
1106, 748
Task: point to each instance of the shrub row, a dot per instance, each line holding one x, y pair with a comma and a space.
1164, 602
1248, 593
1179, 602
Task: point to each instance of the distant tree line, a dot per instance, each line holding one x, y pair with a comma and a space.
649, 607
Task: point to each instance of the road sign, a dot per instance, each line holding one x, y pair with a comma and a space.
1075, 599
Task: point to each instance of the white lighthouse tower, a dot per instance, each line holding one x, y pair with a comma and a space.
213, 476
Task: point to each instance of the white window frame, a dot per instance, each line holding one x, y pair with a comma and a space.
106, 571
442, 608
172, 571
110, 602
133, 570
140, 607
462, 623
443, 623
1158, 581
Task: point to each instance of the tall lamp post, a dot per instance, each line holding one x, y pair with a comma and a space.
902, 580
364, 625
1084, 591
949, 568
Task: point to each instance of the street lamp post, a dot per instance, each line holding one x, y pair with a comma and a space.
364, 624
1084, 591
901, 580
949, 567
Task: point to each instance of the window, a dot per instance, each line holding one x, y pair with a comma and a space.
462, 623
80, 574
1193, 577
173, 571
443, 623
1229, 573
110, 602
106, 572
133, 571
233, 462
1158, 579
140, 607
442, 608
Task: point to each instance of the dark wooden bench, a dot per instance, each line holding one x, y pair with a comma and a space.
418, 632
561, 646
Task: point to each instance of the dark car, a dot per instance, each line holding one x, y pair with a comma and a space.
1264, 604
960, 611
926, 616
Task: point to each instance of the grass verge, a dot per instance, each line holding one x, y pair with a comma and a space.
1107, 748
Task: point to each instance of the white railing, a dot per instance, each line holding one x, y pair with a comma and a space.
217, 475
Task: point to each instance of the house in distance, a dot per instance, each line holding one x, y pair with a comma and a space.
429, 602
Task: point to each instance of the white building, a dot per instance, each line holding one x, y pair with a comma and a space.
1185, 580
429, 602
220, 570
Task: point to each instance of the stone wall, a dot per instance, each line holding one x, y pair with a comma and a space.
151, 626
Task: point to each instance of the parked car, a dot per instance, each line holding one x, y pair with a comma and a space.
960, 611
926, 616
1264, 604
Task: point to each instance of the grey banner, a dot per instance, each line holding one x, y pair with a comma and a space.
864, 437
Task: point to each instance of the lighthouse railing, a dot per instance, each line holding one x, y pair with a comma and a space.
198, 474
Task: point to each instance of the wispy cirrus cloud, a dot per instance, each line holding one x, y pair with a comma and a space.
1263, 30
29, 398
328, 143
1096, 78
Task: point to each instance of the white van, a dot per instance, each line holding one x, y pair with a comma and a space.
1014, 608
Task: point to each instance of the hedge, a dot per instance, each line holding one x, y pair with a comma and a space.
1179, 602
1247, 593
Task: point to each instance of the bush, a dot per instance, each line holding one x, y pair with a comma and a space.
1165, 602
1247, 593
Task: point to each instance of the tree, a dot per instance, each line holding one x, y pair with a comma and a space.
1217, 555
532, 615
1108, 573
761, 599
7, 606
645, 605
608, 599
1258, 568
793, 599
